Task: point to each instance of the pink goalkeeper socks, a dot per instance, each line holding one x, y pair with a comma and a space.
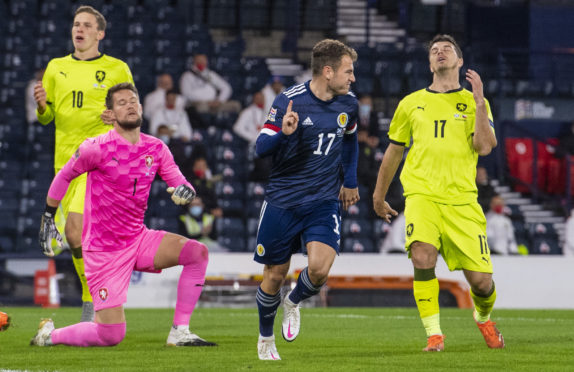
89, 334
194, 258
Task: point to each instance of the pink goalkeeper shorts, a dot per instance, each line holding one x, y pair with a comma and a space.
109, 272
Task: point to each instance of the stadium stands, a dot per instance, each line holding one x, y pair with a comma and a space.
155, 36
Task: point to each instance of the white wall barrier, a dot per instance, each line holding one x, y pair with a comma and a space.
528, 282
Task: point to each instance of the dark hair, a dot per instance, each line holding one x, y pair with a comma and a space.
329, 52
448, 39
116, 88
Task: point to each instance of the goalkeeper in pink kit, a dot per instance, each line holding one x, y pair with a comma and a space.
121, 167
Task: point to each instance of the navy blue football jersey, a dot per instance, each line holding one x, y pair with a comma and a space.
307, 166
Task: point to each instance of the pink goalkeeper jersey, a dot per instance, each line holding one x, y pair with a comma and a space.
120, 175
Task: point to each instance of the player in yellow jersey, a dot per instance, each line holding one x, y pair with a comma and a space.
449, 127
72, 93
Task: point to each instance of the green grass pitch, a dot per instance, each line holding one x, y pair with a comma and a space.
331, 339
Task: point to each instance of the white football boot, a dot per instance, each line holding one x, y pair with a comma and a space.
181, 336
42, 337
266, 348
291, 319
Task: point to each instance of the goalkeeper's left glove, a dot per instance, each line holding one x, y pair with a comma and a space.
182, 194
48, 231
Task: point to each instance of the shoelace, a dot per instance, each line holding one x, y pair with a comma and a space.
489, 328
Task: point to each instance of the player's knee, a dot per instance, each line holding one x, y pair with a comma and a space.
318, 275
481, 286
423, 255
194, 252
275, 280
111, 334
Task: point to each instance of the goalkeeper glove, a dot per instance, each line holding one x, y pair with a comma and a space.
182, 194
48, 231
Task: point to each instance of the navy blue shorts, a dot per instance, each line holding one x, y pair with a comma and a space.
283, 232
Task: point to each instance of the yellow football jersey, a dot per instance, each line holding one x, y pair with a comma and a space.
441, 162
76, 92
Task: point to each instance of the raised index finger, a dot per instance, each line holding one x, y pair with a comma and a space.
289, 106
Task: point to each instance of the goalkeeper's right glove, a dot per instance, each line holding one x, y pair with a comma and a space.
182, 194
48, 231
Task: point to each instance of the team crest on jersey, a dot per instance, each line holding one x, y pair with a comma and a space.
148, 161
343, 119
100, 76
103, 293
272, 114
260, 250
461, 107
77, 154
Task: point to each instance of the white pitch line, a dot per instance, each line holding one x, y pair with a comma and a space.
408, 317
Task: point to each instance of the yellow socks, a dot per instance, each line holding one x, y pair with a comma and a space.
79, 265
483, 305
426, 290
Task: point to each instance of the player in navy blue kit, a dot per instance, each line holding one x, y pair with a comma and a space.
310, 133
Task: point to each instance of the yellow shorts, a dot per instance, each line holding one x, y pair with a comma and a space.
74, 199
457, 231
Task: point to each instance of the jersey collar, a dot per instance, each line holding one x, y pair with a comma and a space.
448, 91
86, 60
308, 86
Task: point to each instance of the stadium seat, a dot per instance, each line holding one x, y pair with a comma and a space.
225, 120
168, 224
542, 229
521, 233
357, 210
7, 243
380, 228
229, 226
553, 167
232, 207
229, 172
233, 190
229, 155
519, 156
165, 209
233, 243
363, 85
320, 15
251, 244
254, 14
545, 245
252, 226
358, 245
356, 227
9, 205
254, 208
255, 191
221, 14
281, 12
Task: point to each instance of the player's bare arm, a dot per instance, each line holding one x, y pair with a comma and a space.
484, 139
290, 120
40, 96
391, 161
349, 196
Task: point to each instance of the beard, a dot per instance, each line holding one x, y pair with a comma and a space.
441, 69
133, 124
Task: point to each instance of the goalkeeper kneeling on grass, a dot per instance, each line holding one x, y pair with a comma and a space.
121, 166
